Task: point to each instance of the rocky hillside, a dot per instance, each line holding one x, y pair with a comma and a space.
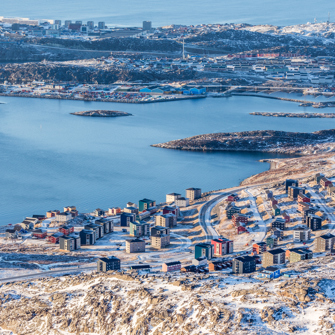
159, 304
18, 73
260, 140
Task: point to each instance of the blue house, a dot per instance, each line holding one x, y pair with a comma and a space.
270, 272
194, 91
145, 90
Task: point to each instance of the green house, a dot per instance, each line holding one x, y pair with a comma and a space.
144, 204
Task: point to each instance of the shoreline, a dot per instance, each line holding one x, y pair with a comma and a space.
98, 100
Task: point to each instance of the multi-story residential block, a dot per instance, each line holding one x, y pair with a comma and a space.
244, 264
87, 237
222, 246
313, 222
114, 211
54, 238
290, 182
130, 209
303, 198
126, 218
99, 230
69, 243
145, 204
63, 217
166, 220
53, 213
193, 193
107, 224
325, 242
271, 241
204, 250
101, 25
160, 237
273, 257
318, 177
294, 191
324, 183
135, 245
302, 254
139, 228
301, 234
277, 232
279, 223
259, 248
99, 212
182, 202
172, 197
39, 233
107, 264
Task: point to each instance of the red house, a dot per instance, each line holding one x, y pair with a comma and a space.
286, 217
302, 206
259, 248
273, 201
324, 182
171, 209
241, 218
222, 246
39, 233
232, 197
303, 198
240, 230
66, 230
55, 237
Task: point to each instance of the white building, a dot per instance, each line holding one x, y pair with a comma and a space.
182, 202
63, 217
301, 234
172, 197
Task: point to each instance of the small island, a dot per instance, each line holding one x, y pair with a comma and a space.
101, 113
299, 115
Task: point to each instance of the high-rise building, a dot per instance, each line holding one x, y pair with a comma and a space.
59, 22
101, 25
146, 25
90, 25
79, 22
67, 23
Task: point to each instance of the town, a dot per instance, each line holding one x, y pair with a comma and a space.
255, 230
147, 64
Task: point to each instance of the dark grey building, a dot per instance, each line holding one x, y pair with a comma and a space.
290, 182
244, 264
101, 25
147, 25
69, 243
106, 264
87, 237
313, 222
279, 223
126, 218
98, 229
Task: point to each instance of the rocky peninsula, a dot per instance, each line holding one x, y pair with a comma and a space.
260, 140
296, 115
101, 113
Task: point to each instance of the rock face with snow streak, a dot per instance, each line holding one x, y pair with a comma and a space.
260, 140
157, 303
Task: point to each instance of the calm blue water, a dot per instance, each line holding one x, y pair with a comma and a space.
133, 12
50, 159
